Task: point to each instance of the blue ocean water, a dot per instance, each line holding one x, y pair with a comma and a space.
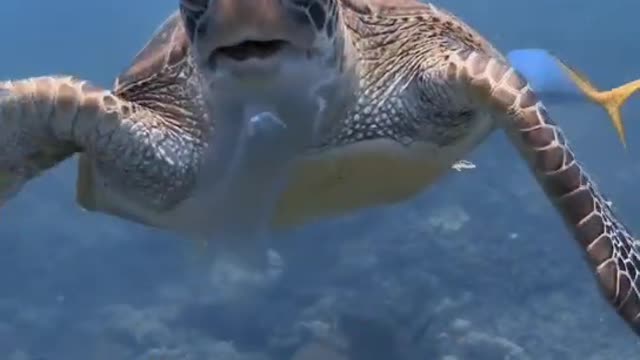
479, 267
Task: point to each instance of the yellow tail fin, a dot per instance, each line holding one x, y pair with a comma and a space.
612, 100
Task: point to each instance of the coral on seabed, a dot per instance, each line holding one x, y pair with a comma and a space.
450, 276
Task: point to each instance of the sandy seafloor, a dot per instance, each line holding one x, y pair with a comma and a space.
479, 267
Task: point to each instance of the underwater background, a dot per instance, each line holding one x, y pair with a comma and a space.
479, 267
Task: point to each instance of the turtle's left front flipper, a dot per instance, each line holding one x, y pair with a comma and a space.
612, 252
141, 153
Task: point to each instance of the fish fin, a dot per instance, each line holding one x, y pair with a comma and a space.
611, 100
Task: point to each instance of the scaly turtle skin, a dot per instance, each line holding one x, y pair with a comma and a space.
374, 101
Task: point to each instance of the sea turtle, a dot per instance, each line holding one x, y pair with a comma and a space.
241, 109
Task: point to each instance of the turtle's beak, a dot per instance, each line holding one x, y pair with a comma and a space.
241, 30
248, 49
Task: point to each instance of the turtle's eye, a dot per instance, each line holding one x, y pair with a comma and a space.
194, 4
192, 11
314, 11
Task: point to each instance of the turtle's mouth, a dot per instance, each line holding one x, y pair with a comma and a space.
251, 49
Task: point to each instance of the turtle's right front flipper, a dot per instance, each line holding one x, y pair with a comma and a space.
127, 149
36, 120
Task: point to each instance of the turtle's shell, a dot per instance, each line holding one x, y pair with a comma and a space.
168, 46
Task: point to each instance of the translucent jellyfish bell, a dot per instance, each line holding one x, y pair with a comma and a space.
255, 179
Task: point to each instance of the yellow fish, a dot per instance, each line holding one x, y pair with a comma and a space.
558, 83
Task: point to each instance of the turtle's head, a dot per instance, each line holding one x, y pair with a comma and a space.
258, 37
285, 57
